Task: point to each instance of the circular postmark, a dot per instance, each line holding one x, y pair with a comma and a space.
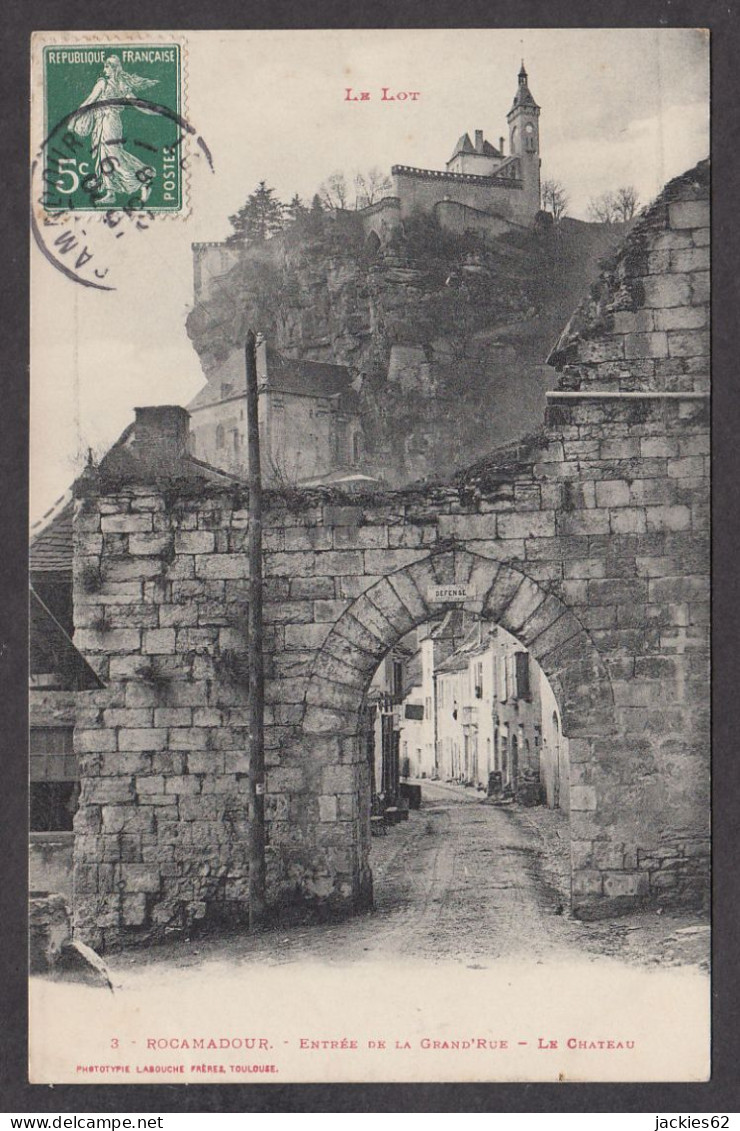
110, 165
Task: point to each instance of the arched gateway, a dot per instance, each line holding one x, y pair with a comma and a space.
404, 600
588, 542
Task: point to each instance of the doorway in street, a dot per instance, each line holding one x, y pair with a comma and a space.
458, 710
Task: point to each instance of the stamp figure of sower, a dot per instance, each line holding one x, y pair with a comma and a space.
100, 118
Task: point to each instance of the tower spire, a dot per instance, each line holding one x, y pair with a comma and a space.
523, 96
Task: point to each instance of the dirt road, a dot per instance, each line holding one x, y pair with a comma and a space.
468, 882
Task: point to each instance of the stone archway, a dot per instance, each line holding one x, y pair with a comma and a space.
588, 540
400, 602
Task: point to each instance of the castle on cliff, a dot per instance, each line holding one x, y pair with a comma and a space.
309, 411
481, 188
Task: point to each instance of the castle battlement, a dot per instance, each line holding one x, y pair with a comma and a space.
500, 181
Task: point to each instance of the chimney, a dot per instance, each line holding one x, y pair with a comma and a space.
479, 141
501, 146
162, 432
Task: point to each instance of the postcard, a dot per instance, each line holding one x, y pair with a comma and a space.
369, 567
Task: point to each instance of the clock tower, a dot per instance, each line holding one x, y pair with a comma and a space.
524, 139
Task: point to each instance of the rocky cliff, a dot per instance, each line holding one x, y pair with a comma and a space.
446, 335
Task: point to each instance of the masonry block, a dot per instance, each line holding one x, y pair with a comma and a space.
366, 627
195, 542
594, 521
126, 523
312, 588
618, 884
305, 636
326, 722
144, 738
94, 741
689, 214
140, 878
403, 584
468, 526
107, 640
342, 516
612, 493
385, 598
667, 290
108, 791
668, 518
386, 561
136, 570
528, 598
633, 321
565, 628
543, 615
158, 641
700, 287
360, 537
587, 882
149, 545
328, 808
682, 318
128, 717
690, 259
530, 525
646, 345
221, 566
308, 538
688, 343
679, 589
329, 667
339, 779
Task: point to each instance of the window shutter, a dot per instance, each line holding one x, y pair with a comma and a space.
522, 675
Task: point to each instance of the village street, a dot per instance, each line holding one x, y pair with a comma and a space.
461, 881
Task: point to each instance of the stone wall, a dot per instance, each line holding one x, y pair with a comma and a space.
50, 863
589, 543
160, 834
423, 189
461, 218
645, 323
381, 218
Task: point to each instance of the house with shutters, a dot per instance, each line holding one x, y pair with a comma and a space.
495, 712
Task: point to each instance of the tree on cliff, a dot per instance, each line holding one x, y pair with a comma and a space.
626, 202
554, 198
295, 210
338, 195
614, 207
260, 218
371, 186
335, 191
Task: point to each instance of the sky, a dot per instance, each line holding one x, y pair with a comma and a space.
618, 107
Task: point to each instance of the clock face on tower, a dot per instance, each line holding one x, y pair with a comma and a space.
529, 128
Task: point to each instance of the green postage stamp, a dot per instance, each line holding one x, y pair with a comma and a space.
113, 127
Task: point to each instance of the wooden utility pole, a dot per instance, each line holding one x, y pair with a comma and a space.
256, 699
